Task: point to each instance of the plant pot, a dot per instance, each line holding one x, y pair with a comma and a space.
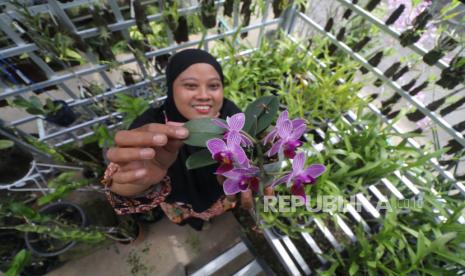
64, 117
131, 230
45, 246
15, 163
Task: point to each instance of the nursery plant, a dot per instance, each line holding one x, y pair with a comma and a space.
250, 152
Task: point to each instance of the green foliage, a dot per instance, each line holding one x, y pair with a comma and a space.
6, 144
34, 106
201, 130
63, 184
130, 107
21, 259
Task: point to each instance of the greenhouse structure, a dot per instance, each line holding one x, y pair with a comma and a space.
367, 95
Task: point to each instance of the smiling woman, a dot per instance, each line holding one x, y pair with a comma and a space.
147, 168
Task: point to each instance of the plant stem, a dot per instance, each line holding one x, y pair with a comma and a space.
250, 137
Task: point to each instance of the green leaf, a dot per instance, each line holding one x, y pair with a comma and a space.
353, 268
260, 114
199, 159
202, 130
5, 144
21, 259
415, 2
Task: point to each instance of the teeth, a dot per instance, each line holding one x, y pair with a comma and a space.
202, 107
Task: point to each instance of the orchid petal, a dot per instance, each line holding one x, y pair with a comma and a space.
298, 162
231, 187
234, 138
239, 154
220, 123
284, 116
216, 145
246, 141
275, 148
315, 170
282, 179
224, 168
236, 122
298, 122
254, 185
298, 132
285, 129
269, 138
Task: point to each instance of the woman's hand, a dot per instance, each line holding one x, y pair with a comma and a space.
144, 155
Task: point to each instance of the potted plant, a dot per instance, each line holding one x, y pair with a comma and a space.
176, 23
446, 43
208, 13
54, 111
15, 162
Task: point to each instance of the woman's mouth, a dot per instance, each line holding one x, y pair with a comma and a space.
202, 109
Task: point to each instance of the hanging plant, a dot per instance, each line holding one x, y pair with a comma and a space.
401, 72
228, 8
54, 111
347, 13
419, 88
278, 7
373, 61
454, 74
454, 147
372, 5
329, 24
417, 115
341, 34
452, 107
177, 24
388, 73
208, 13
414, 33
142, 22
446, 44
246, 11
395, 15
459, 127
362, 43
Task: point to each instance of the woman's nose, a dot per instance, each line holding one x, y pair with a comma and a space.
203, 93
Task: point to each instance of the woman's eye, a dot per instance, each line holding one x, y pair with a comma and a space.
214, 86
190, 86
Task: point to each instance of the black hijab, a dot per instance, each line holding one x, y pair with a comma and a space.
198, 188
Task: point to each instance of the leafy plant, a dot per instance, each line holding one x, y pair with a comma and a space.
130, 107
6, 144
21, 259
34, 106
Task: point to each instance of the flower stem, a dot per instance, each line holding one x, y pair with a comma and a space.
263, 176
250, 137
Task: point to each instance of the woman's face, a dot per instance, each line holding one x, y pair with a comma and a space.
198, 92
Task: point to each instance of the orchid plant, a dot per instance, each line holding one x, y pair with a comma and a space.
248, 154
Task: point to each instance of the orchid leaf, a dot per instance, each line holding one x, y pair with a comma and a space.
202, 130
199, 159
260, 114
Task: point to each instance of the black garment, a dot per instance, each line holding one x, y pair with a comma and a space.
199, 188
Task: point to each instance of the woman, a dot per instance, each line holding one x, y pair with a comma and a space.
147, 166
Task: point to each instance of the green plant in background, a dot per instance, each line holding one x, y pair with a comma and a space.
130, 107
34, 106
62, 185
6, 144
282, 68
21, 260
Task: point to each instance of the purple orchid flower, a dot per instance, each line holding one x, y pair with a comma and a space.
289, 133
299, 177
240, 180
227, 153
234, 124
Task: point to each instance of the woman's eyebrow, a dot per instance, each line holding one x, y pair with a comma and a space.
189, 78
214, 78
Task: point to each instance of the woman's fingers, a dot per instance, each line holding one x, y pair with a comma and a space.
247, 199
131, 176
124, 155
150, 135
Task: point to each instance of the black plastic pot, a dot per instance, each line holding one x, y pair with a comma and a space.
15, 163
45, 246
64, 117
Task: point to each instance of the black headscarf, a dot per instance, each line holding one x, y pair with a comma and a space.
198, 188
